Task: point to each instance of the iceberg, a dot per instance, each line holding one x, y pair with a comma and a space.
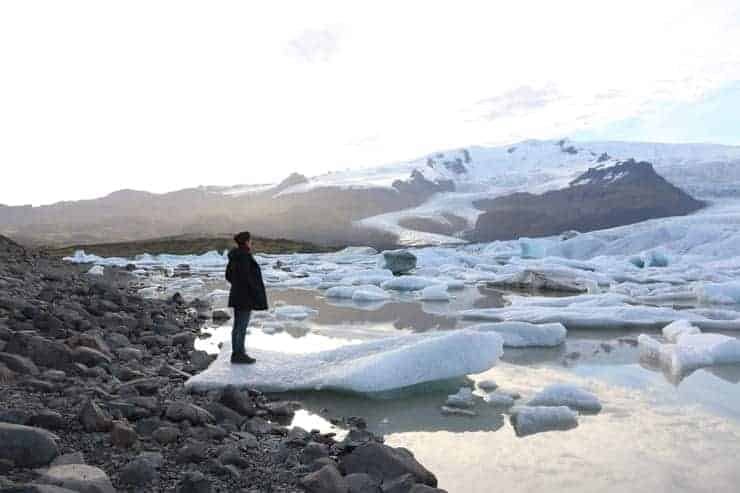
567, 395
435, 293
678, 328
369, 367
499, 399
523, 334
528, 420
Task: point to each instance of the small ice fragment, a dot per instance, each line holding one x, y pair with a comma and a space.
456, 411
464, 398
528, 420
435, 293
568, 395
499, 399
96, 270
295, 312
370, 293
487, 385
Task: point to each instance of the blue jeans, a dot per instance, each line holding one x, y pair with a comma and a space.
239, 332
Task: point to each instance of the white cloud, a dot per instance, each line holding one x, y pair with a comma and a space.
99, 95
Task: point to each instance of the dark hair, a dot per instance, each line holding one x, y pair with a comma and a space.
242, 238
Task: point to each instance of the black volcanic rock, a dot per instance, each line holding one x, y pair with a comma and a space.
602, 197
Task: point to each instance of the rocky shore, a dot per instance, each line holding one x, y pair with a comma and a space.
92, 400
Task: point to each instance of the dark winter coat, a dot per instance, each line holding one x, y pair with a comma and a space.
247, 288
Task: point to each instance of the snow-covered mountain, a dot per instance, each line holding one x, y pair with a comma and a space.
435, 199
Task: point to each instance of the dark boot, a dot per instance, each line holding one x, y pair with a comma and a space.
242, 359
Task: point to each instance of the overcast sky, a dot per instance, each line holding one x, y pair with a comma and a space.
97, 96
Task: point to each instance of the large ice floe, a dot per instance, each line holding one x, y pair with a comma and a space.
369, 367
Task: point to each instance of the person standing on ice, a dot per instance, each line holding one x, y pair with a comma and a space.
247, 293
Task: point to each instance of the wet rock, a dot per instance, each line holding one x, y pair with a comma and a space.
224, 414
93, 418
192, 451
139, 472
200, 360
231, 455
362, 483
383, 462
258, 426
220, 315
19, 364
27, 446
193, 482
313, 451
129, 354
72, 458
78, 477
166, 435
181, 411
401, 484
326, 480
422, 488
184, 339
50, 420
238, 400
122, 435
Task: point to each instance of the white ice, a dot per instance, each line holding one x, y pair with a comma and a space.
674, 330
523, 334
376, 366
294, 312
409, 283
567, 395
463, 398
690, 352
435, 293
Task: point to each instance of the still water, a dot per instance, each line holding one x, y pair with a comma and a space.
655, 434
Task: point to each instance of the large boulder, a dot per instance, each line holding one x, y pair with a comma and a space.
93, 418
399, 261
193, 482
44, 352
78, 477
238, 400
27, 446
385, 463
19, 364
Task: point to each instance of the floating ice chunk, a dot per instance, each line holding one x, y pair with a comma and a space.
487, 385
523, 334
409, 283
149, 292
529, 420
464, 398
532, 248
375, 366
499, 399
295, 312
678, 328
96, 270
342, 292
726, 293
370, 293
561, 280
690, 352
455, 284
456, 411
435, 293
567, 395
589, 315
370, 276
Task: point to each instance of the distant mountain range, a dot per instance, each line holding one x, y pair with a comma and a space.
478, 193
